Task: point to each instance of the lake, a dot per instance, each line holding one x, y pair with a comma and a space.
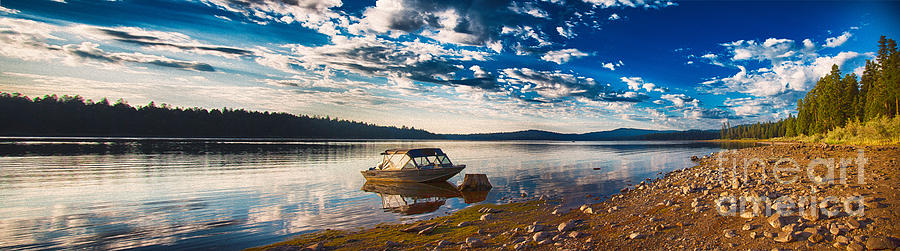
89, 193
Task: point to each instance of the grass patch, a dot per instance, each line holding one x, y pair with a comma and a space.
880, 131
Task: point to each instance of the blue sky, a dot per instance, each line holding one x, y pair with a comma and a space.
446, 66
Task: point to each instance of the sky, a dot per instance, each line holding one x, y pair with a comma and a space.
459, 66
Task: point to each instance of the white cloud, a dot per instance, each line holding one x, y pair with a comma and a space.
612, 65
614, 16
562, 56
528, 8
565, 32
837, 41
8, 10
638, 83
629, 3
679, 100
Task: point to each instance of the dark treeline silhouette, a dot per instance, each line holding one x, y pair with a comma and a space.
73, 116
837, 100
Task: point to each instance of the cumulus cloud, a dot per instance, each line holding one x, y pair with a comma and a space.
630, 3
313, 14
552, 86
612, 66
528, 8
614, 16
837, 41
679, 100
638, 83
562, 56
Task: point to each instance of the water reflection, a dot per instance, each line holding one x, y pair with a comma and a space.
417, 198
213, 194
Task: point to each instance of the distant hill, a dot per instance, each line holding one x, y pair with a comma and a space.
617, 134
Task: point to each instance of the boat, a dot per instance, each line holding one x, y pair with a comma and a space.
413, 165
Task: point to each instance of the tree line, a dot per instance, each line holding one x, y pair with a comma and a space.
837, 100
74, 116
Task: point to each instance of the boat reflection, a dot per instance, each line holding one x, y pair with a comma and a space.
418, 198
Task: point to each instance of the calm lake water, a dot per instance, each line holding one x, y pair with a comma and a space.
212, 194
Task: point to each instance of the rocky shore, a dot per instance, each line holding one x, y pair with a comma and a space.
783, 196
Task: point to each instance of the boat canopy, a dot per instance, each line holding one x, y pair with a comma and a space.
411, 159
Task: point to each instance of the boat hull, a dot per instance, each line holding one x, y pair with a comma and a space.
422, 175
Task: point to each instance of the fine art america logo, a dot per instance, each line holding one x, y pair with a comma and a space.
786, 188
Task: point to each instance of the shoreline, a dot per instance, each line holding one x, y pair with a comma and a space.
684, 209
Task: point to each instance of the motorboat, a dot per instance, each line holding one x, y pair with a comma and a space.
413, 165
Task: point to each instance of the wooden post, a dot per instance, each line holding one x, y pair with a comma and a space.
475, 182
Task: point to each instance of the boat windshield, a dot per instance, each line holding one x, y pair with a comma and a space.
421, 160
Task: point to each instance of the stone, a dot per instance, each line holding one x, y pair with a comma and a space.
785, 237
853, 224
583, 207
775, 221
789, 228
834, 230
465, 224
575, 234
810, 215
487, 217
635, 236
747, 227
747, 214
535, 228
566, 226
427, 230
315, 247
842, 239
855, 246
473, 242
589, 211
815, 238
752, 235
540, 236
878, 243
391, 244
729, 233
444, 243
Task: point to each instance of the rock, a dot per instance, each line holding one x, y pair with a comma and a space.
555, 212
815, 238
589, 211
785, 237
775, 221
488, 210
521, 245
747, 227
427, 230
487, 217
855, 246
878, 243
444, 243
583, 207
768, 234
810, 215
417, 227
535, 228
729, 233
789, 228
752, 235
575, 234
540, 236
635, 236
834, 230
853, 224
465, 224
390, 244
566, 226
473, 242
747, 214
315, 247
